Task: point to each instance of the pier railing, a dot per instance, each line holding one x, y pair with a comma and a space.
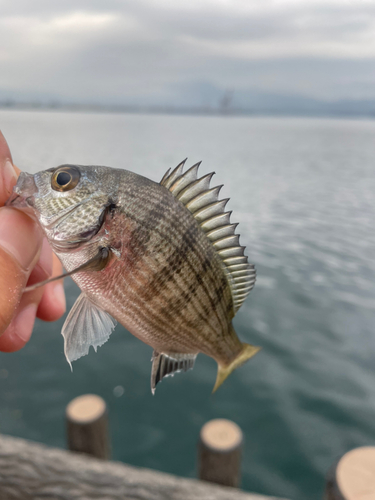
31, 471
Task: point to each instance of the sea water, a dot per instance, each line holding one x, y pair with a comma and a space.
303, 192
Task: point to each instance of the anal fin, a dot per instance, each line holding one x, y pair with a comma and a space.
165, 365
85, 325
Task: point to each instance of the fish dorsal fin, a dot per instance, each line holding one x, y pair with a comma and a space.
169, 178
166, 365
203, 202
85, 325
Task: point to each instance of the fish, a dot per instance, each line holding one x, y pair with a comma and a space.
163, 259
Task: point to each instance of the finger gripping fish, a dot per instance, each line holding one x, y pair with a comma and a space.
163, 259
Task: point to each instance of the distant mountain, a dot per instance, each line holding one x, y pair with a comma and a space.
209, 96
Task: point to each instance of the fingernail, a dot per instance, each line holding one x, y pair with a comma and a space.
9, 177
20, 236
59, 295
24, 322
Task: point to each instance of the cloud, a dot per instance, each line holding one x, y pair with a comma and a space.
143, 51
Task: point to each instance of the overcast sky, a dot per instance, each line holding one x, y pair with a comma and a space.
151, 50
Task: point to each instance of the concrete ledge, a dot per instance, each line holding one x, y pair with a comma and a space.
31, 471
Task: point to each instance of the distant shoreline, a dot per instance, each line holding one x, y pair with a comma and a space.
195, 111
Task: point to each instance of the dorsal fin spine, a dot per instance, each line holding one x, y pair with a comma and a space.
216, 221
202, 201
194, 188
228, 241
221, 232
205, 198
210, 210
239, 267
165, 176
185, 180
168, 181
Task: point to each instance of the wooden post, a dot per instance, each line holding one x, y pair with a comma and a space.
220, 449
353, 476
87, 426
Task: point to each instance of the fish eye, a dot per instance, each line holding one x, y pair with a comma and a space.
65, 178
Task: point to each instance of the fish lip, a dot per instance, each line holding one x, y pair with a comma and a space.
23, 192
25, 205
16, 200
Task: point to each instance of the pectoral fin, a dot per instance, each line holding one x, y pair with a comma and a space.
164, 365
97, 263
85, 325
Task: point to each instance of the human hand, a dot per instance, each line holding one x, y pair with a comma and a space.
25, 258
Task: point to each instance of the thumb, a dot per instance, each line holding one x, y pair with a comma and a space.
20, 244
8, 172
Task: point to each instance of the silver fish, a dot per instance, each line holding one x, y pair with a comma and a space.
163, 259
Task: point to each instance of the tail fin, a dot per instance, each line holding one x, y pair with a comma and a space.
223, 372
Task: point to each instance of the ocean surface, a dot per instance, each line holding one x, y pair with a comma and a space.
303, 191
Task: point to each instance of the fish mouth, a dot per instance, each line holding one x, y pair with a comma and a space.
23, 192
18, 201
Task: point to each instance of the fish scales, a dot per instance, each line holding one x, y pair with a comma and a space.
182, 260
140, 255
